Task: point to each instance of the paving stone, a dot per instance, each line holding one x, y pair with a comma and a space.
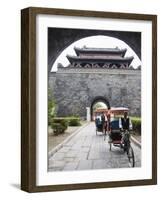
85, 149
70, 166
76, 147
123, 161
55, 169
64, 149
137, 164
81, 156
67, 159
72, 153
104, 155
84, 164
113, 164
93, 155
58, 156
56, 163
90, 151
99, 164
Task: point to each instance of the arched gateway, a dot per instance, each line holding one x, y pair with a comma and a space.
94, 74
96, 100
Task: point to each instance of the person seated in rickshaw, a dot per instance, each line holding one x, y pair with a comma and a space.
125, 122
105, 117
98, 120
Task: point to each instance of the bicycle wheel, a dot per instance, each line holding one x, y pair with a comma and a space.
110, 146
131, 158
104, 137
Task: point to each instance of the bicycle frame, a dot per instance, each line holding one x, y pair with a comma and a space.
126, 139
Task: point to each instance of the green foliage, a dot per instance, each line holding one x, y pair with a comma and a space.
59, 125
136, 122
51, 107
75, 121
60, 120
58, 128
71, 121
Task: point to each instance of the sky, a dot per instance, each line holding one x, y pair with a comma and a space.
96, 42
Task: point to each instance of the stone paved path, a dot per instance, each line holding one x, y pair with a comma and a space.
86, 150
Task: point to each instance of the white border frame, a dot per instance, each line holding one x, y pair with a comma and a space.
43, 177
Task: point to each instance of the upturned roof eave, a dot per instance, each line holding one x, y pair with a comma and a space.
100, 50
78, 59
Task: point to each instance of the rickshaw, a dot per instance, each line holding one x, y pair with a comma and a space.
120, 138
98, 120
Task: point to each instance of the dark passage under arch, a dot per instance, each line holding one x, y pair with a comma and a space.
96, 100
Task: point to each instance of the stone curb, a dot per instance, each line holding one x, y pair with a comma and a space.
136, 142
55, 149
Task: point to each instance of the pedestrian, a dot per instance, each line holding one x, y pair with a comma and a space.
109, 127
108, 122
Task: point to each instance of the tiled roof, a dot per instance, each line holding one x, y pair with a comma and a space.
99, 59
99, 50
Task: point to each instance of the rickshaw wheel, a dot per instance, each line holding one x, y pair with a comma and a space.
131, 158
110, 146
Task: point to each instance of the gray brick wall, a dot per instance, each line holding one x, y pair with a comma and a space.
75, 89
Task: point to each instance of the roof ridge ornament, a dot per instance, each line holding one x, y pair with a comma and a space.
99, 57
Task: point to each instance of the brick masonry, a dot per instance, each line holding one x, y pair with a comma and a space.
75, 89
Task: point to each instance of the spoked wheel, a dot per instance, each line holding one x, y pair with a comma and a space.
110, 146
131, 158
105, 134
104, 137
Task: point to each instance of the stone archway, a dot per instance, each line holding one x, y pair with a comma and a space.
96, 100
59, 39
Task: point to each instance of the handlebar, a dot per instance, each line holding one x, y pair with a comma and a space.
121, 129
124, 130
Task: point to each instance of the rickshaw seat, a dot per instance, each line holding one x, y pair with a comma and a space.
115, 131
115, 124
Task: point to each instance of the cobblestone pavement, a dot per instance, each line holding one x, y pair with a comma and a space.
86, 150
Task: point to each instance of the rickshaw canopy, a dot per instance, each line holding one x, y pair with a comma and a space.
112, 110
118, 110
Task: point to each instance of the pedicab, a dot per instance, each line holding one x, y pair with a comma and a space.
100, 126
120, 138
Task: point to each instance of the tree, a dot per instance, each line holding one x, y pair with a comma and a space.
51, 106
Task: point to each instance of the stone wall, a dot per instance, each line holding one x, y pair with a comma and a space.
75, 89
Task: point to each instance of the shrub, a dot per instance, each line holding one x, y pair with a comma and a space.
136, 122
58, 128
61, 120
59, 125
74, 121
51, 106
